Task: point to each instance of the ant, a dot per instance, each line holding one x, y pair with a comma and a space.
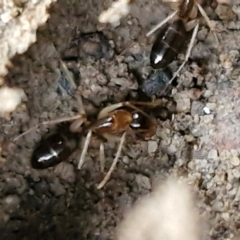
113, 123
172, 37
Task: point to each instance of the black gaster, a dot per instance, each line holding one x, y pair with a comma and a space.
168, 44
53, 150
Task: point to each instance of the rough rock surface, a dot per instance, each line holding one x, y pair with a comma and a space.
199, 142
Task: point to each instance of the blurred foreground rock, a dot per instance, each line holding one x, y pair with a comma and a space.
19, 21
168, 212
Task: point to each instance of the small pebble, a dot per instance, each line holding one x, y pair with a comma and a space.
225, 216
125, 159
229, 186
4, 218
213, 154
189, 138
66, 172
208, 93
152, 146
237, 196
211, 106
11, 203
183, 105
235, 161
197, 108
236, 173
217, 205
206, 110
57, 188
143, 181
207, 118
194, 93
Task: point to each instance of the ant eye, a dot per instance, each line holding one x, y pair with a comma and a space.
135, 116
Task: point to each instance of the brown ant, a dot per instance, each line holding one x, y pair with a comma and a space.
114, 122
173, 36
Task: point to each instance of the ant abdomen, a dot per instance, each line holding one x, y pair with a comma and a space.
54, 149
168, 44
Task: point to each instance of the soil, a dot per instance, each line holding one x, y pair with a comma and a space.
201, 141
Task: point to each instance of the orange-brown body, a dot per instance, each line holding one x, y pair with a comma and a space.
124, 119
118, 121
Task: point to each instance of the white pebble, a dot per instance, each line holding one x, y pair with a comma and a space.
126, 159
213, 154
183, 105
206, 110
229, 186
152, 146
217, 205
237, 196
225, 216
113, 15
10, 98
236, 173
235, 161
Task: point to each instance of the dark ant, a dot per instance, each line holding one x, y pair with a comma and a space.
172, 37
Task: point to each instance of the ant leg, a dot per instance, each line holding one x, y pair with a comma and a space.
194, 35
80, 105
102, 157
85, 148
74, 127
131, 105
68, 74
161, 23
190, 46
79, 118
154, 103
108, 175
210, 25
104, 112
66, 119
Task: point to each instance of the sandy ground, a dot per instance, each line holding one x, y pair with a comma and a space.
200, 145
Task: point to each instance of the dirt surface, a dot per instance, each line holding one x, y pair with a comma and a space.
201, 142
